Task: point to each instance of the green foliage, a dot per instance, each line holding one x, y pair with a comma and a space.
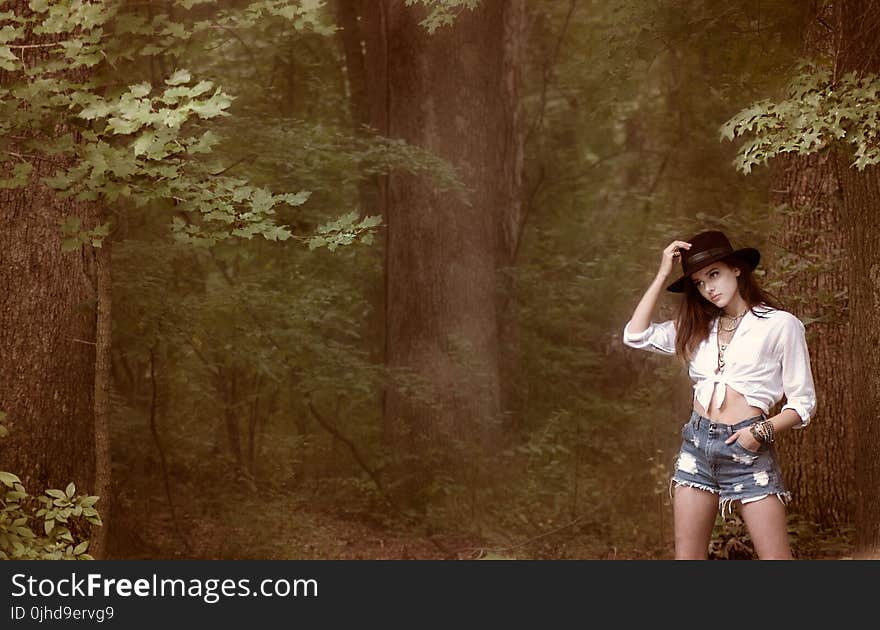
442, 12
817, 112
252, 328
810, 540
248, 328
145, 143
73, 237
344, 231
730, 539
19, 177
58, 516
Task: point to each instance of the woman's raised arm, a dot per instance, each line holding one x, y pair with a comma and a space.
641, 318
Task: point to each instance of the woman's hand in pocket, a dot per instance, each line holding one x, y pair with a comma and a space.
745, 439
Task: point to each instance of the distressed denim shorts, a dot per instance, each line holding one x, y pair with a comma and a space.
731, 471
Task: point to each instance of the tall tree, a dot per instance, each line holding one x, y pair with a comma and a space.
828, 119
68, 124
47, 339
455, 93
857, 51
819, 462
48, 317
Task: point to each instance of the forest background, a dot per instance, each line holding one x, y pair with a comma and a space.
348, 278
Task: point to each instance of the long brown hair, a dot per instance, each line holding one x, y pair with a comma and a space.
693, 321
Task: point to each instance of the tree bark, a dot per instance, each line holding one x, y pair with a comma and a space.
819, 461
47, 329
455, 94
858, 52
862, 229
47, 341
103, 379
836, 471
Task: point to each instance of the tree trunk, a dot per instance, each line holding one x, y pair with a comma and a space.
47, 341
359, 37
103, 378
819, 461
858, 52
455, 94
838, 222
228, 381
350, 40
47, 329
861, 194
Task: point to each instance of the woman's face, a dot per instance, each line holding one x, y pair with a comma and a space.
717, 283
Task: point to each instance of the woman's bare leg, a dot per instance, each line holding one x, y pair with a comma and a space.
765, 520
694, 517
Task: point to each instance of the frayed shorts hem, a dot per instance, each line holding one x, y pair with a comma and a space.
725, 504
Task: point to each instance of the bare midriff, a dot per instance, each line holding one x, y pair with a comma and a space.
734, 408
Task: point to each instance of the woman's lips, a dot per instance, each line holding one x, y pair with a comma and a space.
717, 297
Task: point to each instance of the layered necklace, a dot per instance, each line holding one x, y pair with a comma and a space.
722, 347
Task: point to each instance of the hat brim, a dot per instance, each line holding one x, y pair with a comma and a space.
749, 255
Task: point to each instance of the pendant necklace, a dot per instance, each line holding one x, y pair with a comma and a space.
723, 347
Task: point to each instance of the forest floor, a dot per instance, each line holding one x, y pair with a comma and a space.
284, 526
287, 526
306, 534
342, 517
216, 515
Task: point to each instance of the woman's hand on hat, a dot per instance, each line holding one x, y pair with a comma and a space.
670, 255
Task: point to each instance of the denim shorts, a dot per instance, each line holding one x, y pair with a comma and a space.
731, 471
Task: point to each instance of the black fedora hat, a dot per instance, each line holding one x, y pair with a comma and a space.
706, 248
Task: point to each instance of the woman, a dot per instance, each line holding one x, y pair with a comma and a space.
743, 353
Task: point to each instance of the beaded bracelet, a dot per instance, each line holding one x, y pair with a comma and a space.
763, 432
757, 432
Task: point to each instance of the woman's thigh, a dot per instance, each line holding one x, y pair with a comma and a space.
765, 520
694, 517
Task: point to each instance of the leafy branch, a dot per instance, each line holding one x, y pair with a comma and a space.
816, 113
59, 514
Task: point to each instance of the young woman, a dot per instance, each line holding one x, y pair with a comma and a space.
743, 354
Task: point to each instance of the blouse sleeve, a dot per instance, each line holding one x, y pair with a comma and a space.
797, 376
659, 338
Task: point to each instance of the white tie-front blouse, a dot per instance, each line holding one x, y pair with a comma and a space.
766, 358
